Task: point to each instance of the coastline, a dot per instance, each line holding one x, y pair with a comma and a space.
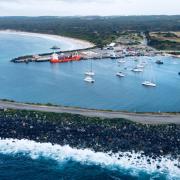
84, 44
128, 161
82, 132
142, 146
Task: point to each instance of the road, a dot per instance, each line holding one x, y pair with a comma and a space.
145, 118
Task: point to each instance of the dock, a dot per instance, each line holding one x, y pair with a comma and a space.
115, 52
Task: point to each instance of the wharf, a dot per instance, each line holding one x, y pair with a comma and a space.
92, 53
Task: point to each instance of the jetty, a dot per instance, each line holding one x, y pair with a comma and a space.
109, 51
144, 118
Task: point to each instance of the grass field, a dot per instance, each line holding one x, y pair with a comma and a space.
166, 36
165, 40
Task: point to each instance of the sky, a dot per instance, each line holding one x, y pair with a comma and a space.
88, 7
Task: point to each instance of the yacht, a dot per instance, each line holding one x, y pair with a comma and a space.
120, 74
140, 66
121, 61
90, 73
159, 62
137, 69
149, 84
89, 79
136, 60
114, 56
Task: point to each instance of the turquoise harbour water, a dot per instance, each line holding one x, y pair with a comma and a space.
63, 84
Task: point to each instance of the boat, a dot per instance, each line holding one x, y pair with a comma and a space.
89, 79
159, 62
179, 73
121, 61
136, 60
55, 47
90, 73
140, 66
114, 56
137, 69
149, 84
54, 58
120, 74
60, 59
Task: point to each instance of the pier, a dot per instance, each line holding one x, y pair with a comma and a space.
113, 51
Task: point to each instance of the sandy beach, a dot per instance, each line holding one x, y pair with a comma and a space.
73, 42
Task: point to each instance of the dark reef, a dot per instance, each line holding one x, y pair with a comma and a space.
94, 133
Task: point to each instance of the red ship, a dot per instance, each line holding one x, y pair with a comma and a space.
60, 59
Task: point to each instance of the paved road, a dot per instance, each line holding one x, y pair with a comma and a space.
147, 118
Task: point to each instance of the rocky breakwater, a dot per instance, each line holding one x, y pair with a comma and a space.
104, 135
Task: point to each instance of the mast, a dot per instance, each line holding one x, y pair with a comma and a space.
91, 65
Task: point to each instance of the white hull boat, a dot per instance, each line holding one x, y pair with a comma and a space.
140, 66
149, 84
89, 79
90, 73
120, 74
137, 70
121, 61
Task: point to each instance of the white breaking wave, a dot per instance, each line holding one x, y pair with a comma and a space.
125, 160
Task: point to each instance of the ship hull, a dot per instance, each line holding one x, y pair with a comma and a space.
66, 59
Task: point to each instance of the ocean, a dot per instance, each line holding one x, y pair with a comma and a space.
23, 159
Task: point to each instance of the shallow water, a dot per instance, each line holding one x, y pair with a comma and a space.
63, 84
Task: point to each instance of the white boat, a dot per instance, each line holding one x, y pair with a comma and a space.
89, 79
90, 73
114, 56
140, 66
121, 61
149, 84
137, 69
120, 74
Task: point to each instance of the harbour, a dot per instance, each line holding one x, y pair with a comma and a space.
64, 83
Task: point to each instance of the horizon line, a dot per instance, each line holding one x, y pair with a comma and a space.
91, 15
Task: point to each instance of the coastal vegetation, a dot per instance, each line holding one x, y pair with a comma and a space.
99, 30
165, 40
99, 134
130, 38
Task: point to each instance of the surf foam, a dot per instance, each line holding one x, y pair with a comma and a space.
62, 154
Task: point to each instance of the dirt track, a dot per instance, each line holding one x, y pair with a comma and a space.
147, 118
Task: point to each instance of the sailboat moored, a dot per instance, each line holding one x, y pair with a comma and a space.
149, 84
90, 73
